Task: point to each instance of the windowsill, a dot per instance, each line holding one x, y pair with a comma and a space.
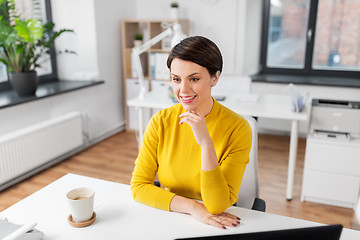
307, 80
44, 90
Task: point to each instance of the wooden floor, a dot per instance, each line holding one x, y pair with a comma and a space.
113, 159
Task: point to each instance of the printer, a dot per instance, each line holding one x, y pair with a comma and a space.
336, 119
332, 155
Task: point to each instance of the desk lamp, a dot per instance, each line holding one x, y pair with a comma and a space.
178, 35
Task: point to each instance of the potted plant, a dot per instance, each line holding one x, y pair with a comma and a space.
174, 10
138, 38
174, 5
22, 43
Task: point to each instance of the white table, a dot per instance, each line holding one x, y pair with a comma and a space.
269, 106
120, 217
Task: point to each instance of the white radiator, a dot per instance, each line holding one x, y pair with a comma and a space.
31, 148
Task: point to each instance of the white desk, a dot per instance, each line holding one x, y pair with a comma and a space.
269, 106
120, 217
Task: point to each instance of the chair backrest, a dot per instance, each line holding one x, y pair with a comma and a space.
249, 189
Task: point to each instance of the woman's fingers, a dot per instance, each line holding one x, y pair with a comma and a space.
211, 221
188, 120
225, 220
231, 215
188, 117
222, 221
190, 114
198, 126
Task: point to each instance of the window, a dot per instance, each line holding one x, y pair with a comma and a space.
311, 38
47, 71
275, 28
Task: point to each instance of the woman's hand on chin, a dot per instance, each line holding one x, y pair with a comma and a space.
198, 125
221, 220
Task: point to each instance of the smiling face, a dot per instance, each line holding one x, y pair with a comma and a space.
191, 84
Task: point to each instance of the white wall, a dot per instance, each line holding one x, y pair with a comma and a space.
97, 42
251, 37
217, 20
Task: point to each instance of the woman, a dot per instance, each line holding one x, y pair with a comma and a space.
198, 148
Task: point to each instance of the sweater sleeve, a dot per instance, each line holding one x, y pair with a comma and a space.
220, 186
146, 166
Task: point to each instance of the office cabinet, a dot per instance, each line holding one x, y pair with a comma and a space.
331, 171
133, 90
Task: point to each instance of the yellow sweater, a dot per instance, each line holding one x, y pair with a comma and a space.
171, 151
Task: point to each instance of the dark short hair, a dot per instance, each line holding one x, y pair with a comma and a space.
199, 50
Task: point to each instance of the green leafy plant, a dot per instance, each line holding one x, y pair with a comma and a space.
174, 5
138, 36
24, 41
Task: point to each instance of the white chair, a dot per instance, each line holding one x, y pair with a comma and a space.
249, 190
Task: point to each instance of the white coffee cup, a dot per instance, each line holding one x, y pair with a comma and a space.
81, 201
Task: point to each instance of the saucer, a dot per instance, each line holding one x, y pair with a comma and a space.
81, 224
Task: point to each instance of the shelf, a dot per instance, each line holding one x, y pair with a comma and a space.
151, 50
158, 50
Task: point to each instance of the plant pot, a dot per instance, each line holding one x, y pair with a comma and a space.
137, 43
24, 83
174, 13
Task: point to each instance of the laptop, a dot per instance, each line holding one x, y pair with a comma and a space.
328, 232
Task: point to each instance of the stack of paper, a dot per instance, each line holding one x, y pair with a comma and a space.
298, 99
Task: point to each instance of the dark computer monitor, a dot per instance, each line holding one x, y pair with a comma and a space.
328, 232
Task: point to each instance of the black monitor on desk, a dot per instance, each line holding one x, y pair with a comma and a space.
329, 232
